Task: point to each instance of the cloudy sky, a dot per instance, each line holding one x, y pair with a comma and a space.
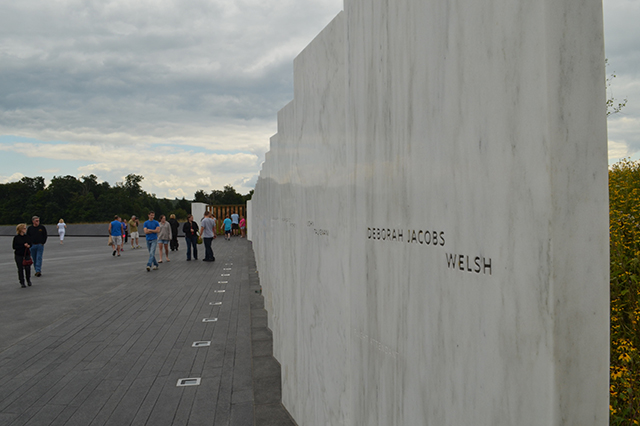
185, 92
182, 92
622, 48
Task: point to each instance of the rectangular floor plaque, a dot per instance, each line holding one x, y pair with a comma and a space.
226, 275
201, 344
209, 319
195, 381
215, 303
220, 291
223, 282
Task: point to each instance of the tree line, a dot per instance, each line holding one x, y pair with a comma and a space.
86, 200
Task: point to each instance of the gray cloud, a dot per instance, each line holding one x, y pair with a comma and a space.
203, 78
121, 65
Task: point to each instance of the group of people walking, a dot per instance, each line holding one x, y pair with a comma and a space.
120, 230
164, 235
28, 244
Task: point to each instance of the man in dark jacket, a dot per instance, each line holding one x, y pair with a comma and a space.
38, 235
174, 232
190, 229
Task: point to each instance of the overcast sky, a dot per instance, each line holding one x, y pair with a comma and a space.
622, 49
185, 92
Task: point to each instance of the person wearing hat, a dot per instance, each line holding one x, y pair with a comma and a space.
133, 231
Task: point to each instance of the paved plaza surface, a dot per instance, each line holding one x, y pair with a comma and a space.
98, 340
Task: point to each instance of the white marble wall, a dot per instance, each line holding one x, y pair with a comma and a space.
197, 210
480, 127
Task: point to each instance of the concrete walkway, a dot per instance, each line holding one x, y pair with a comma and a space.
98, 340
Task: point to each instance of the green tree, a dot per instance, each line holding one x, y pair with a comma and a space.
181, 214
15, 200
183, 204
91, 185
201, 197
230, 196
87, 200
33, 185
86, 209
62, 195
132, 185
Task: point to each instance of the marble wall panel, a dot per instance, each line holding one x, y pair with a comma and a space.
308, 298
431, 222
197, 210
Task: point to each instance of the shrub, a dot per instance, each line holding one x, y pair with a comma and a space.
624, 228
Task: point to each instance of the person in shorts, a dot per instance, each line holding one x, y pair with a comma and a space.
133, 232
164, 237
227, 228
116, 231
235, 227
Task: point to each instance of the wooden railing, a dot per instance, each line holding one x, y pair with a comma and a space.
221, 212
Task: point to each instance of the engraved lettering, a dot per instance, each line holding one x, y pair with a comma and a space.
462, 262
375, 344
487, 265
420, 236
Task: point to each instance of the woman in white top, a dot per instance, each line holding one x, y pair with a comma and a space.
164, 238
61, 229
